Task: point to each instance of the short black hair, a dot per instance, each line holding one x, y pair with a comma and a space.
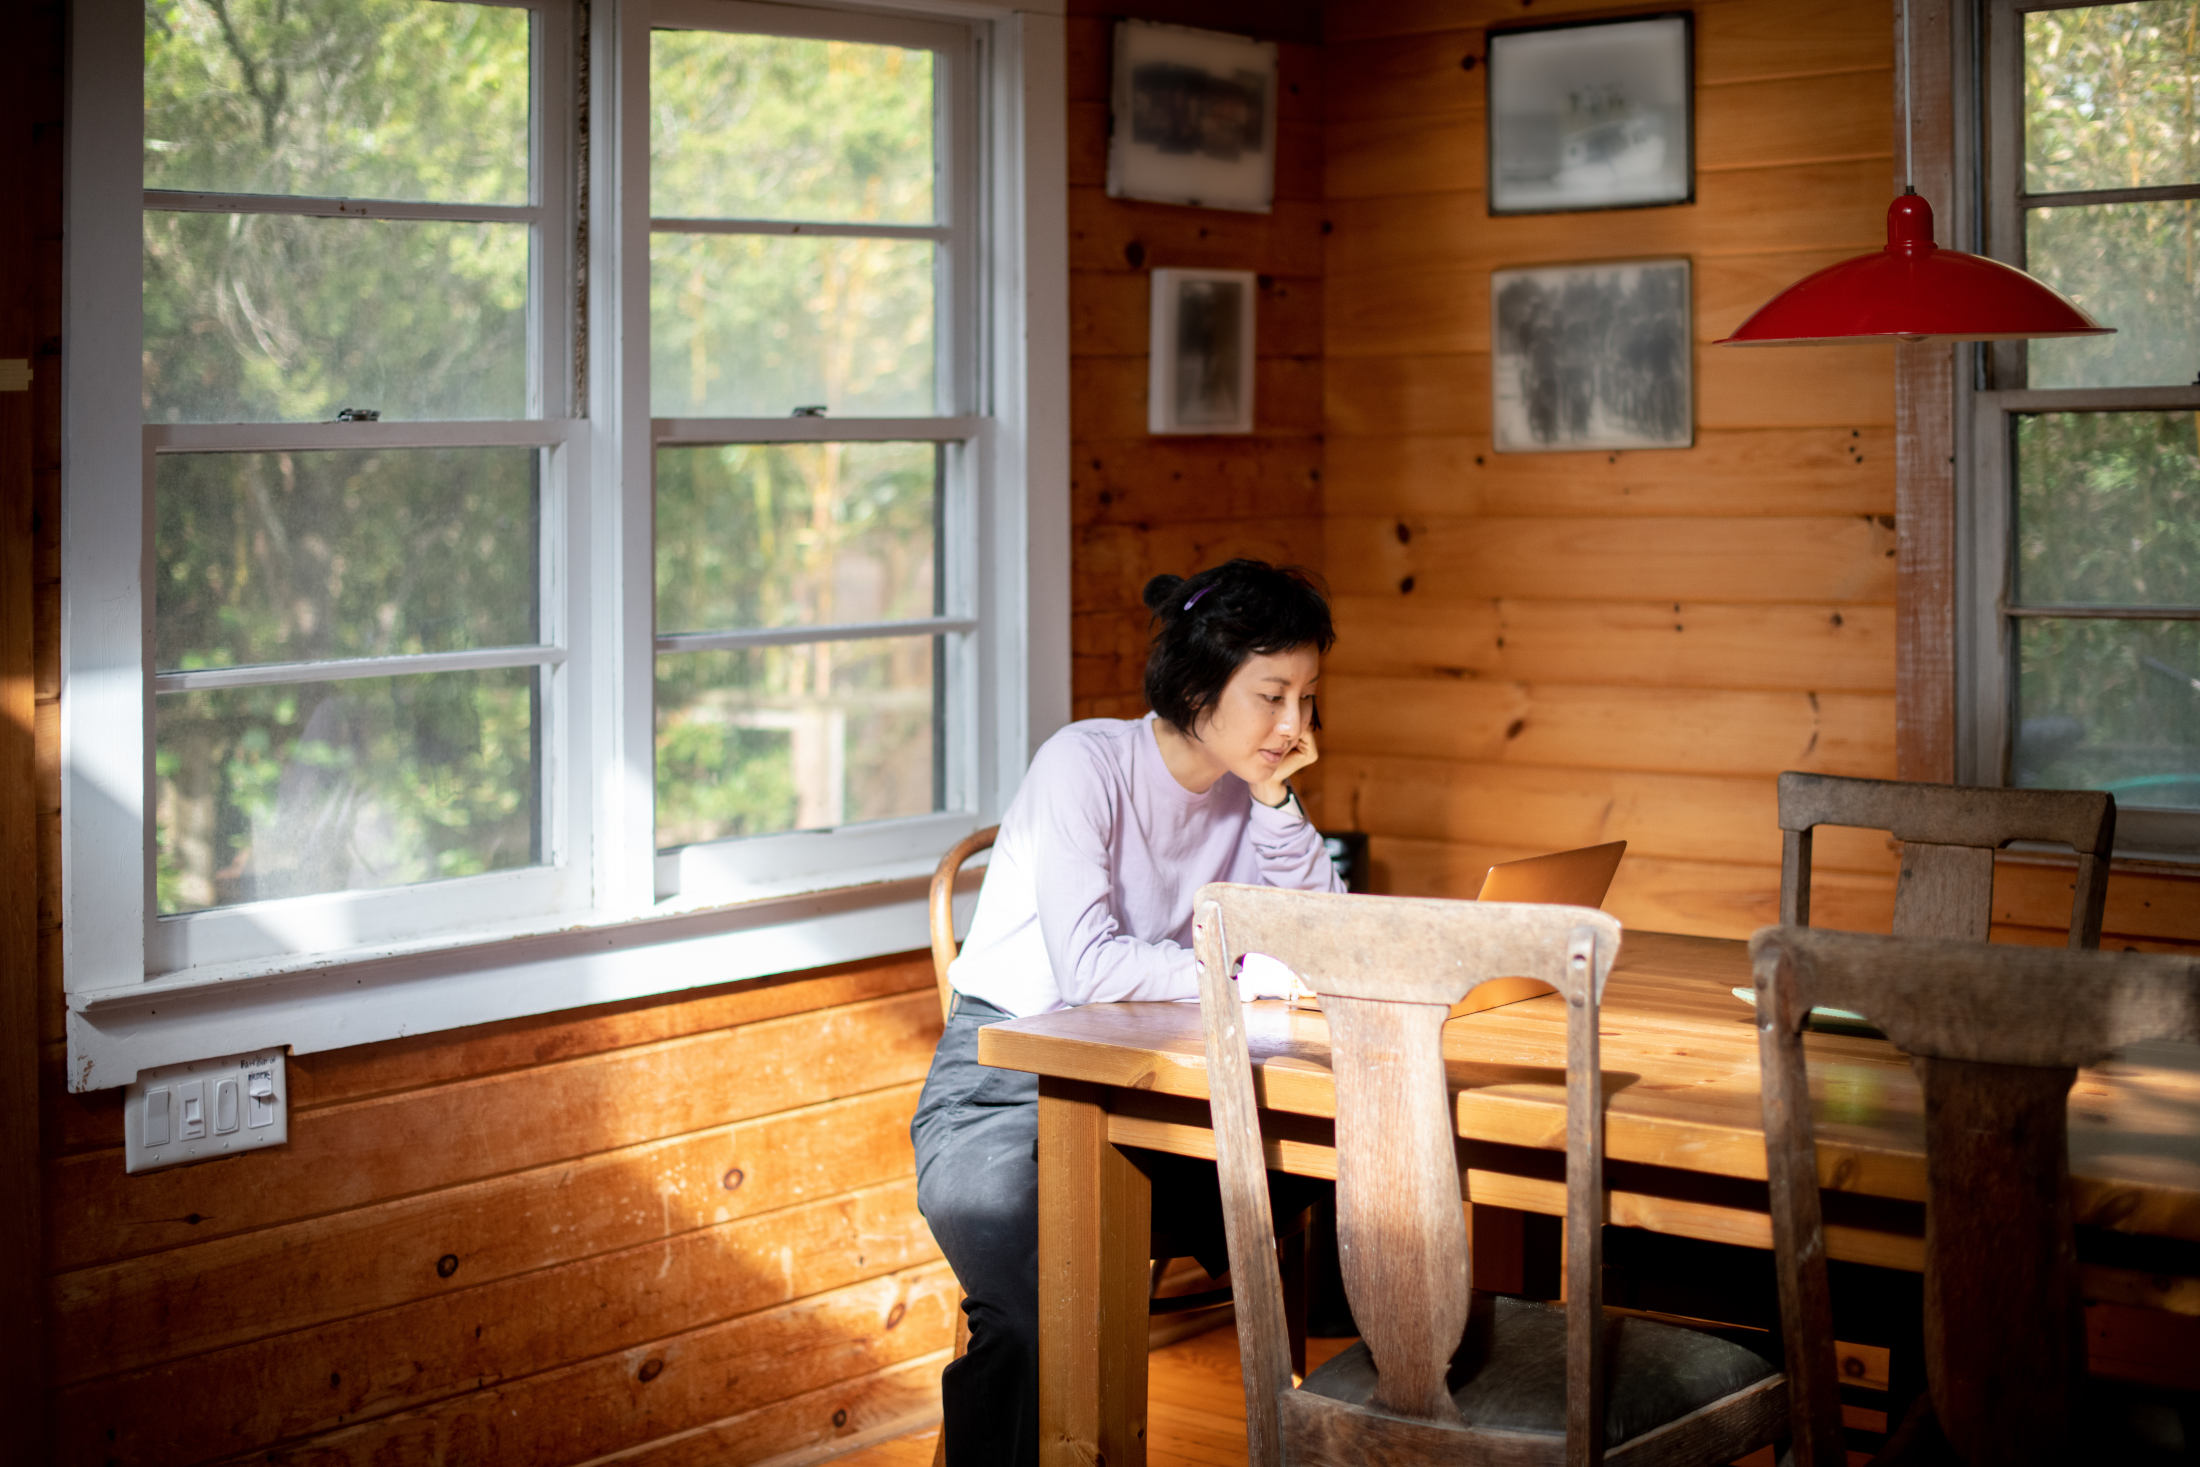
1208, 623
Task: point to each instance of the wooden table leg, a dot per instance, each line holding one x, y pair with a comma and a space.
1094, 1221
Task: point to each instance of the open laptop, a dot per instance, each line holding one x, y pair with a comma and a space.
1563, 878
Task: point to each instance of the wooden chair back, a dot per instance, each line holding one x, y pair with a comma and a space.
1997, 1036
943, 906
1388, 970
1949, 834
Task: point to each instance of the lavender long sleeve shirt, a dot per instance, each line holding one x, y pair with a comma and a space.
1088, 898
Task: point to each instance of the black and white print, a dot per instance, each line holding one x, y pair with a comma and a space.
1591, 356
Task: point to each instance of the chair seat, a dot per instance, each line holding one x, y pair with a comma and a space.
1510, 1371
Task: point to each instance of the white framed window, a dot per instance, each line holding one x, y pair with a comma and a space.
2082, 486
526, 541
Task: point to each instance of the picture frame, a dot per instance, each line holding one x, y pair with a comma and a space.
1193, 119
1592, 356
1592, 115
1200, 372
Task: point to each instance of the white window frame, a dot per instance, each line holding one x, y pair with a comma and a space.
1990, 150
608, 917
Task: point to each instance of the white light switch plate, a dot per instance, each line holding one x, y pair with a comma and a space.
207, 1108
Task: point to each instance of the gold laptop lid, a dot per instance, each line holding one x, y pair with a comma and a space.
1563, 878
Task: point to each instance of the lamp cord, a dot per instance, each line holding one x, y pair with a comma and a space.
1909, 124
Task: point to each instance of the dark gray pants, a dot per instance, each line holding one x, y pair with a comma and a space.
977, 1139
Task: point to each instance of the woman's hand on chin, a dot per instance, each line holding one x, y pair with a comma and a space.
1273, 790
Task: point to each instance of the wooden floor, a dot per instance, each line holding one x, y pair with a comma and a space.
1195, 1408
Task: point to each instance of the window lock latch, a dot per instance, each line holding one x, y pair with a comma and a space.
359, 415
813, 410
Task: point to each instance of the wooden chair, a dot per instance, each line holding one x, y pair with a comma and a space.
1949, 834
1997, 1035
1444, 1373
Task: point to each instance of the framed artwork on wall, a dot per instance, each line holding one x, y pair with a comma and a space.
1592, 115
1200, 374
1591, 356
1194, 118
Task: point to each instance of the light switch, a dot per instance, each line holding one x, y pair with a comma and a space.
191, 1111
201, 1109
260, 1090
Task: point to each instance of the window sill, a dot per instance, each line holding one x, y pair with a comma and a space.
335, 1000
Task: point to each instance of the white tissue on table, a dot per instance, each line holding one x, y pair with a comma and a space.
1261, 976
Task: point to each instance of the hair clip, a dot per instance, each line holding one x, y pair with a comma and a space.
1203, 590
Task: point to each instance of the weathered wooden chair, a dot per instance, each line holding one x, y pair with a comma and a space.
1444, 1373
1949, 834
1997, 1035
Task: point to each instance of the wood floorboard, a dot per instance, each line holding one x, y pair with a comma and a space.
1195, 1408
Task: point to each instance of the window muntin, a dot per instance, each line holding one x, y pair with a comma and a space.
2087, 495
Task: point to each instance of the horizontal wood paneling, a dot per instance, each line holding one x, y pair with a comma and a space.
1657, 895
1112, 563
1736, 40
1774, 388
353, 1155
122, 1316
1741, 125
823, 1421
333, 1077
270, 1390
1690, 644
1757, 559
1725, 818
1108, 396
1761, 211
1441, 310
1128, 234
1654, 730
1772, 471
1109, 315
1138, 481
2143, 901
832, 1345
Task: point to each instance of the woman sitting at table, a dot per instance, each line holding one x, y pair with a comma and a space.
1089, 900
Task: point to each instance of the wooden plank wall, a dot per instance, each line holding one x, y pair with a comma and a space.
682, 1230
30, 295
1548, 650
1144, 505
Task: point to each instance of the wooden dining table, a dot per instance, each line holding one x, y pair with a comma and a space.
1684, 1143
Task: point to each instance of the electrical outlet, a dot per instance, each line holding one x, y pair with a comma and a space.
204, 1109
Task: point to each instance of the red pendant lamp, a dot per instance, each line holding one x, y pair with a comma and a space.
1913, 290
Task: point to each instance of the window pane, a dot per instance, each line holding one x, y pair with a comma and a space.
756, 326
2136, 267
375, 99
769, 739
2108, 509
2109, 96
257, 318
377, 782
775, 127
761, 535
2112, 705
297, 557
